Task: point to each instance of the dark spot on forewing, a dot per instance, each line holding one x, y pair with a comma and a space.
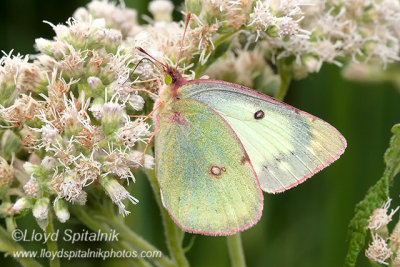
258, 115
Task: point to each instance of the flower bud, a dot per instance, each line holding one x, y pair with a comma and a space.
48, 163
312, 64
161, 10
136, 102
61, 209
44, 45
10, 144
23, 203
30, 168
6, 173
112, 40
96, 86
41, 208
97, 107
110, 117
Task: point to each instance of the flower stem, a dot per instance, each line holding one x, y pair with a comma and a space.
8, 245
52, 244
286, 77
105, 223
173, 234
122, 245
236, 250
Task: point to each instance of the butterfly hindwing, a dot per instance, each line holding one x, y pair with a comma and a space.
285, 145
207, 185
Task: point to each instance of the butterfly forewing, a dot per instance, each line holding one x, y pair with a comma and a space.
206, 182
285, 145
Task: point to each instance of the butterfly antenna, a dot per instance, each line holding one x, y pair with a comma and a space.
183, 37
147, 54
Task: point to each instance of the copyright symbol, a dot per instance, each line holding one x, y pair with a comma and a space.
17, 235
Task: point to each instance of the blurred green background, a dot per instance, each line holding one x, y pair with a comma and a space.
305, 226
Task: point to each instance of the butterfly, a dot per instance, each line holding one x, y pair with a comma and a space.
218, 145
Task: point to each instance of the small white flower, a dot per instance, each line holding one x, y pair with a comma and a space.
11, 66
380, 218
70, 188
261, 17
117, 193
118, 163
111, 112
49, 133
136, 157
378, 250
133, 131
87, 168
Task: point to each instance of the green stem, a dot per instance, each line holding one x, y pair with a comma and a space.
122, 245
173, 234
236, 250
223, 38
107, 223
52, 244
10, 224
9, 246
285, 82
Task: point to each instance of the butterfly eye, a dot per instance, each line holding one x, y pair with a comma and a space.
168, 79
259, 115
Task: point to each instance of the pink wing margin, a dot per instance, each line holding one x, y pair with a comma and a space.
273, 100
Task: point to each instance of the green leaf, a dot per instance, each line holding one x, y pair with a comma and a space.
375, 197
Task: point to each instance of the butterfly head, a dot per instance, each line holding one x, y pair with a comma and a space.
173, 78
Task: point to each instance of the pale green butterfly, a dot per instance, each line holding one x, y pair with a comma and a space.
218, 145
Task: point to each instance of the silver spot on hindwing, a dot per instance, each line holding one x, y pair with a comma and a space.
217, 171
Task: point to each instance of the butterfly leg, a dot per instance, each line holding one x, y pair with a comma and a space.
140, 90
154, 132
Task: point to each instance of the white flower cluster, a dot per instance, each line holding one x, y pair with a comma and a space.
72, 108
379, 250
304, 34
